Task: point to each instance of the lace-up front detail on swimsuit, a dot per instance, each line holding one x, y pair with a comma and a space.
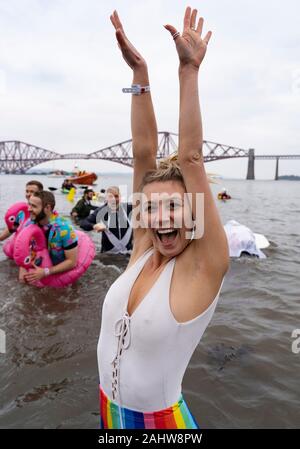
122, 332
142, 358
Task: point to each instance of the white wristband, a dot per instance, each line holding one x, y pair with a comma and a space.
136, 89
47, 271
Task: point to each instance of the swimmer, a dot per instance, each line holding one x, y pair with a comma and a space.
224, 195
61, 237
112, 220
84, 207
67, 185
156, 312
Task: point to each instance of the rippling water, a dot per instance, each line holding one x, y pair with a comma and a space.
243, 373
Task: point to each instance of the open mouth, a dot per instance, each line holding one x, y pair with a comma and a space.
167, 235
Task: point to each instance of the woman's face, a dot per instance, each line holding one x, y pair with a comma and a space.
166, 214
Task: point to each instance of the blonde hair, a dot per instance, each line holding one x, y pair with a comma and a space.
168, 170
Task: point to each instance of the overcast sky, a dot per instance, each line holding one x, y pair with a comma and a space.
61, 75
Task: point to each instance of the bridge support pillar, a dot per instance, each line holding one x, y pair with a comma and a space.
251, 159
276, 170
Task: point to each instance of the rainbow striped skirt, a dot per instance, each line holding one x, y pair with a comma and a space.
112, 416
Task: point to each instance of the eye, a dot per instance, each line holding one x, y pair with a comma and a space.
27, 260
150, 207
174, 204
12, 218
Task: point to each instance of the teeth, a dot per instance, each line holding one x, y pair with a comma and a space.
165, 231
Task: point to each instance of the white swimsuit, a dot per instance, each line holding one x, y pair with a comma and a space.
142, 358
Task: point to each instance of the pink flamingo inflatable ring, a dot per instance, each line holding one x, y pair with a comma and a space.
15, 218
31, 246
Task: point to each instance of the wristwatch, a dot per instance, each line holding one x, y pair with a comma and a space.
47, 271
136, 89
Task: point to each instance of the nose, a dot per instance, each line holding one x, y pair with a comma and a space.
162, 217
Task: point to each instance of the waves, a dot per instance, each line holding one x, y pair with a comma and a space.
243, 373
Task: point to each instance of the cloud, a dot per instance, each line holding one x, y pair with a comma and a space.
61, 74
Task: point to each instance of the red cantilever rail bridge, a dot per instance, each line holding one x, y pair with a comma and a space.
18, 157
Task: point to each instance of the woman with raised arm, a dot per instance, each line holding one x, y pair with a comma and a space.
156, 312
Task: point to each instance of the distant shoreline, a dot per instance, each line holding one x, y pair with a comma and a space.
219, 180
289, 178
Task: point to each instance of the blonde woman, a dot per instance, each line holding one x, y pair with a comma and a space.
156, 312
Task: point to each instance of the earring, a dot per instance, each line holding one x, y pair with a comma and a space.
193, 233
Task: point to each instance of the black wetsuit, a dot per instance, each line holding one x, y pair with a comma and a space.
116, 222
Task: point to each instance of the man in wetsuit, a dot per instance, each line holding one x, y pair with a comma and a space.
113, 221
61, 237
31, 188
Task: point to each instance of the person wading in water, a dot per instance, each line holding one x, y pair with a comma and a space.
156, 312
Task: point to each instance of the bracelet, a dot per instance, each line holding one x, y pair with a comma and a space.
47, 271
136, 89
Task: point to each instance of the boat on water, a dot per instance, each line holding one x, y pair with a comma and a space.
60, 174
83, 178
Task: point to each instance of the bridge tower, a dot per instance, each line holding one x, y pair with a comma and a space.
276, 170
251, 159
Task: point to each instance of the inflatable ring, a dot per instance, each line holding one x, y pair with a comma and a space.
31, 247
15, 218
17, 213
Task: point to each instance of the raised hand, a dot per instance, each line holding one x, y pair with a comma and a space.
130, 54
191, 47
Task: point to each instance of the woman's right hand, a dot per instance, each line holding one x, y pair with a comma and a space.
130, 54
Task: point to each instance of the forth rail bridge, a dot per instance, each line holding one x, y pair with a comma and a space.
18, 157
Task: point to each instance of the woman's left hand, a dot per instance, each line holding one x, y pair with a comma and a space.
191, 48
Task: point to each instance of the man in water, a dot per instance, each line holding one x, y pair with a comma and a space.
84, 207
67, 185
224, 195
112, 219
61, 237
31, 188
